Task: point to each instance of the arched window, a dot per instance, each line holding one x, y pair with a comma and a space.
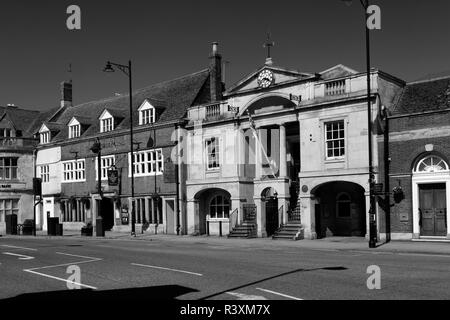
343, 205
431, 164
219, 207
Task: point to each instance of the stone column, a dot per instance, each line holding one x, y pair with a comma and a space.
192, 217
283, 151
258, 155
308, 217
261, 217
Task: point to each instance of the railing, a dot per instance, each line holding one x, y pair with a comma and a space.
213, 111
335, 88
295, 215
234, 219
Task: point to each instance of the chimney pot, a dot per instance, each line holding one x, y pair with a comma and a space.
215, 48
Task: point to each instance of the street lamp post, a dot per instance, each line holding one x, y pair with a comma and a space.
126, 69
372, 210
97, 149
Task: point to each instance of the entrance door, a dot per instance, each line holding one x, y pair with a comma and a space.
272, 223
107, 212
433, 210
170, 216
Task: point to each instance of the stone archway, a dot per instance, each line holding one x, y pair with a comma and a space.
213, 207
340, 210
269, 197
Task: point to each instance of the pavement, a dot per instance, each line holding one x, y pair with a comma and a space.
335, 243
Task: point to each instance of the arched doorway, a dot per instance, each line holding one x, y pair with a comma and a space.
214, 208
340, 210
270, 198
431, 176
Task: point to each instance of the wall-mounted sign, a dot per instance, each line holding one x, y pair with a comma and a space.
233, 109
296, 98
5, 186
113, 177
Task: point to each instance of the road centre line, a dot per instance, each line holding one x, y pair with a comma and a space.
168, 269
279, 294
14, 247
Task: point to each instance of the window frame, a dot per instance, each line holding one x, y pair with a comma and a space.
223, 204
74, 131
44, 172
333, 140
45, 137
218, 165
73, 171
11, 210
9, 168
145, 163
104, 162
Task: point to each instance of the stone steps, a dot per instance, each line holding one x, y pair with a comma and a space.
290, 231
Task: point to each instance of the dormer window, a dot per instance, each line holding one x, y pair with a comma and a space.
106, 122
74, 129
147, 113
44, 135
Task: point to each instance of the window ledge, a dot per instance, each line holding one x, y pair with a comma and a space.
336, 160
218, 219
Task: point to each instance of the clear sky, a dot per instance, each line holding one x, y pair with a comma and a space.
170, 38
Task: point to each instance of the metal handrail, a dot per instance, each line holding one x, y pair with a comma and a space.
233, 219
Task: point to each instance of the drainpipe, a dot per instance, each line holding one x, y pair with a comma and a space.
177, 179
387, 197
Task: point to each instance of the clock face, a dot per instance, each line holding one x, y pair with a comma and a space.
265, 79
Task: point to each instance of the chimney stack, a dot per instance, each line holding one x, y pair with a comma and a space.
215, 73
66, 94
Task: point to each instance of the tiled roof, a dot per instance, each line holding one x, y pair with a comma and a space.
423, 96
173, 97
23, 120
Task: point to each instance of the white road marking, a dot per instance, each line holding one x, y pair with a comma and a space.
14, 247
21, 256
90, 259
279, 294
168, 269
242, 296
61, 279
424, 255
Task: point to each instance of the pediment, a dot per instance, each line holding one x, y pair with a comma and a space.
280, 77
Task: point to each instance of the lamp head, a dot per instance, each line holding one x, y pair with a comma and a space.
108, 68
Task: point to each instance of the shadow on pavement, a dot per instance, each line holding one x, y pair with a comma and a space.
169, 292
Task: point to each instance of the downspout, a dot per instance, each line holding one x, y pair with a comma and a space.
177, 179
387, 197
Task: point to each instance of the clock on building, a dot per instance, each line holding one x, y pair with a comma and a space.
265, 79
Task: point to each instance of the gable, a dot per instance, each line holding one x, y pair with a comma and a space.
6, 123
105, 115
338, 71
280, 77
74, 122
44, 128
146, 105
